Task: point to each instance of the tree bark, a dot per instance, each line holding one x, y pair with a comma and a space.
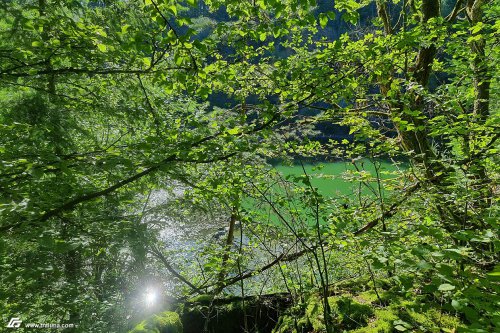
227, 248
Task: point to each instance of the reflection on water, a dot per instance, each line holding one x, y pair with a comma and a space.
181, 229
186, 232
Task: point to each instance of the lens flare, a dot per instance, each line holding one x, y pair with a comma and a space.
150, 297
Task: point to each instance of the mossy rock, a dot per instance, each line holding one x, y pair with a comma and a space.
426, 319
165, 322
223, 317
379, 298
365, 313
382, 322
229, 315
295, 318
411, 316
347, 314
291, 323
204, 298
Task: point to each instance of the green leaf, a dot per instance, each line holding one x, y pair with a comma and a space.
125, 28
446, 287
323, 20
401, 325
331, 15
495, 272
457, 304
494, 275
173, 9
102, 47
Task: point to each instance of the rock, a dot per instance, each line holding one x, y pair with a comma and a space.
228, 315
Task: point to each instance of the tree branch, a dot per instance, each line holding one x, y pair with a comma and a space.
157, 253
285, 257
97, 71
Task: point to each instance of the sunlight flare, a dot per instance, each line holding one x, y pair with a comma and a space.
150, 297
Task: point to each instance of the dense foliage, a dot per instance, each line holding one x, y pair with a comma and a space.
105, 104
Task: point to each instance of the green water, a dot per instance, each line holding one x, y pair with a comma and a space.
335, 179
